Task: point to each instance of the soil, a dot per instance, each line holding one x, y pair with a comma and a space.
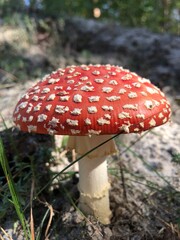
144, 174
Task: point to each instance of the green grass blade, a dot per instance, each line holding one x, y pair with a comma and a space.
15, 198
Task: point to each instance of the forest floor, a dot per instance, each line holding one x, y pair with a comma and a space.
144, 174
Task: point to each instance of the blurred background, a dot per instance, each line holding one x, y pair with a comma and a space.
162, 15
43, 35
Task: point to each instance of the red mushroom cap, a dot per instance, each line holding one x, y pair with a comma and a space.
93, 99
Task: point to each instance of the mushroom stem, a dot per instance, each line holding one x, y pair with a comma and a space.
94, 188
93, 175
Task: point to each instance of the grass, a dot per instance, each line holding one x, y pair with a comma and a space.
12, 188
28, 227
46, 221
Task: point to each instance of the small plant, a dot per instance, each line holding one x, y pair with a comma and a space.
176, 158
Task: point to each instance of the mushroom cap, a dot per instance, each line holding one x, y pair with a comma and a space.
91, 99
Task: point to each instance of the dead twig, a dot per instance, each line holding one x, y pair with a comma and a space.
50, 220
5, 233
173, 227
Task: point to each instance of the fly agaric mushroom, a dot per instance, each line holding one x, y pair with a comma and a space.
88, 103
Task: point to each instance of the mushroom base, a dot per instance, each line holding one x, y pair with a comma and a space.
94, 189
93, 175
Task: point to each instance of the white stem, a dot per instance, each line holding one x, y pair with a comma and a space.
93, 175
94, 188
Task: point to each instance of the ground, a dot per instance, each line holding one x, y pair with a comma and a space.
144, 174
